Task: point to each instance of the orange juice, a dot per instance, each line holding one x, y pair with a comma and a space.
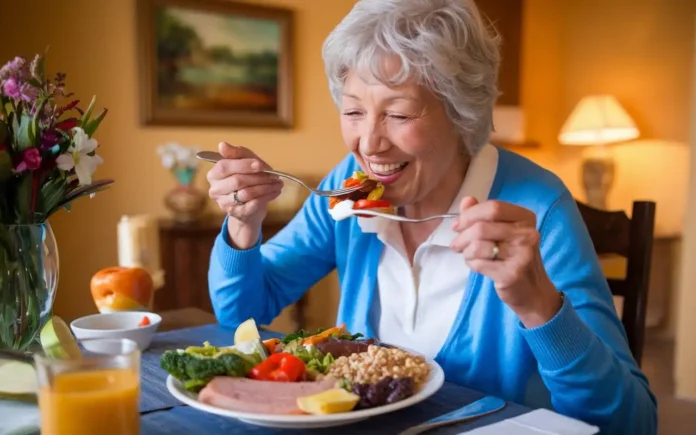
103, 402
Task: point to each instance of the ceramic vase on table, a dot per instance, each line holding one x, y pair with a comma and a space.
186, 203
28, 282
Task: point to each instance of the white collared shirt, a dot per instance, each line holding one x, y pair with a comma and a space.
415, 307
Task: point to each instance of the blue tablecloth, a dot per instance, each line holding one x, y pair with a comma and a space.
163, 414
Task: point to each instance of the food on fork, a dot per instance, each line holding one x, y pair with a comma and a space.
323, 372
367, 198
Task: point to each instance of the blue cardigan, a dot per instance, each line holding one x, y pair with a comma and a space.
578, 363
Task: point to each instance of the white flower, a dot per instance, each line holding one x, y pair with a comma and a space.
173, 154
168, 154
77, 157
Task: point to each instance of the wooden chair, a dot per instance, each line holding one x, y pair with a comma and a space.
612, 232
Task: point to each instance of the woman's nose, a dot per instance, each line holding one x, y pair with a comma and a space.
372, 140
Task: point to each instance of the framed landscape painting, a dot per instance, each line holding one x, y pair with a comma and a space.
215, 63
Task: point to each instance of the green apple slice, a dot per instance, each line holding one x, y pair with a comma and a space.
17, 380
57, 340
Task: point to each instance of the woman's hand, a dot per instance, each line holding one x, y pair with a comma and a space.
243, 192
500, 240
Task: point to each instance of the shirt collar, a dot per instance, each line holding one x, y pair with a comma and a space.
477, 183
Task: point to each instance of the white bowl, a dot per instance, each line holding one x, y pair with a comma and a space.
122, 324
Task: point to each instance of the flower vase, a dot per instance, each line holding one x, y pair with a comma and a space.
28, 282
186, 203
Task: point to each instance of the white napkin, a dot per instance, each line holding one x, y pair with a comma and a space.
19, 418
537, 422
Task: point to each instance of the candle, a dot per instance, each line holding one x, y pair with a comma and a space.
138, 245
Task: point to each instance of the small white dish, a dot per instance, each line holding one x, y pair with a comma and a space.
435, 380
122, 324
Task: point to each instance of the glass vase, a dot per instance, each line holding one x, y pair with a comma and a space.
28, 281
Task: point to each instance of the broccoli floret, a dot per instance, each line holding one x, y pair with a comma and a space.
174, 363
196, 370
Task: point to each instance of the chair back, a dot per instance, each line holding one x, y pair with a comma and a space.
612, 232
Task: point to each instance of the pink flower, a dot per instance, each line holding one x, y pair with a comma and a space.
17, 67
29, 93
12, 88
31, 160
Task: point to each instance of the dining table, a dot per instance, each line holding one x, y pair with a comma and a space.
162, 413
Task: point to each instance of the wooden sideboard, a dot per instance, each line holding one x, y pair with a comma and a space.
185, 256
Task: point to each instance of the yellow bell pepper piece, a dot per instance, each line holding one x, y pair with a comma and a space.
376, 193
360, 176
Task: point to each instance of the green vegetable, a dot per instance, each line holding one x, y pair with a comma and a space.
304, 334
321, 364
206, 350
174, 362
196, 366
346, 385
300, 335
312, 357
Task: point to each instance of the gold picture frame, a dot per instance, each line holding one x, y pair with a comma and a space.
215, 63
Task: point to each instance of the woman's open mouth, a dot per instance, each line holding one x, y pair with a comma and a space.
387, 173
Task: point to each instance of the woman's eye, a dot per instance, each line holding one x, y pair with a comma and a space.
352, 113
399, 117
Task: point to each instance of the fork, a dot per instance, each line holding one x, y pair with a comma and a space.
214, 157
403, 218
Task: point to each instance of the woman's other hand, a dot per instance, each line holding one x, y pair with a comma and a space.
500, 240
243, 192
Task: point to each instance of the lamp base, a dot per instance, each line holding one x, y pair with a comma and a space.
598, 177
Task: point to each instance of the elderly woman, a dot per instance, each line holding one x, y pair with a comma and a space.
509, 298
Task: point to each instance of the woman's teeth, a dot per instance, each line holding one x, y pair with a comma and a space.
386, 169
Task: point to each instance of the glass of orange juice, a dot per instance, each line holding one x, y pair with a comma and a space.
95, 394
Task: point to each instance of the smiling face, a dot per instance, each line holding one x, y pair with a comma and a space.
402, 137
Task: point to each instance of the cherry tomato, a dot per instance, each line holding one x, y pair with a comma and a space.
349, 182
145, 321
279, 367
373, 204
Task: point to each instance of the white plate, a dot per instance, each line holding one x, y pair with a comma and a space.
435, 380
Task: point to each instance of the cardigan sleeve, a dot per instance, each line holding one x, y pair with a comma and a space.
259, 282
582, 353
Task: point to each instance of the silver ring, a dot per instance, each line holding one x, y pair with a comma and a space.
236, 199
496, 251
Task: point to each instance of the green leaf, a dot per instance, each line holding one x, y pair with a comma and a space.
85, 117
23, 134
34, 126
14, 122
92, 125
23, 204
79, 192
51, 194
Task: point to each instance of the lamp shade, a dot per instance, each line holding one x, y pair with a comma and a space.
598, 120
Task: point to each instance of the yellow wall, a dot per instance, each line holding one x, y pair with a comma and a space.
685, 352
638, 50
632, 48
96, 47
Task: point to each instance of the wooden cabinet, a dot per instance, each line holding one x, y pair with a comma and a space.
185, 256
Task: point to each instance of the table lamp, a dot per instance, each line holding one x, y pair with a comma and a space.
597, 121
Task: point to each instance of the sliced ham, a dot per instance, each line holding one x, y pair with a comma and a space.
262, 397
